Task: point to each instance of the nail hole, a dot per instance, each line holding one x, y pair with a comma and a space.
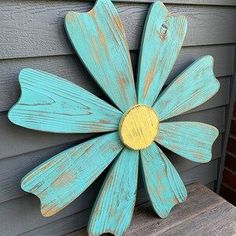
163, 31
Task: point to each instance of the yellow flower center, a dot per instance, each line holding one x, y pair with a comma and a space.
138, 127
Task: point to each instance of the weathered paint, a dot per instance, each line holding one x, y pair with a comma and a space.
163, 184
194, 86
49, 103
99, 39
161, 42
114, 207
192, 140
138, 127
61, 179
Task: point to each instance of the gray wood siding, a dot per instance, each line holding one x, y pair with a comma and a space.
32, 35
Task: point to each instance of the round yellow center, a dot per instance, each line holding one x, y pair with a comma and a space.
138, 127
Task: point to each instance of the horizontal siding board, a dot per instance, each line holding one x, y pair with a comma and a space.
25, 140
14, 168
23, 214
70, 68
221, 98
190, 2
37, 29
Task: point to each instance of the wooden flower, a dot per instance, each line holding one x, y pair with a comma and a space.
136, 122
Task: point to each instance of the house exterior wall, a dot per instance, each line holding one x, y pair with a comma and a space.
32, 35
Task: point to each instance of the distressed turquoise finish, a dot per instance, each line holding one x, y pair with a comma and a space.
164, 186
192, 140
49, 103
114, 207
165, 34
99, 39
61, 179
190, 89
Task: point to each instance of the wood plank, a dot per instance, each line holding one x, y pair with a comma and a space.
211, 186
70, 223
26, 140
37, 28
199, 90
188, 2
51, 104
145, 221
101, 44
220, 220
191, 140
162, 40
70, 68
23, 214
14, 168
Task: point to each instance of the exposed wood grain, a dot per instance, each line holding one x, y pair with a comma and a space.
162, 39
216, 118
224, 86
70, 68
191, 140
52, 104
29, 31
14, 168
220, 220
27, 140
185, 93
164, 186
113, 209
22, 214
200, 201
99, 39
68, 224
57, 182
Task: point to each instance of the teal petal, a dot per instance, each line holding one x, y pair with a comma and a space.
163, 184
191, 88
49, 103
99, 39
114, 207
61, 179
192, 140
161, 42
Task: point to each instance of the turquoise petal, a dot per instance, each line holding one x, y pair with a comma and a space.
99, 39
61, 179
191, 88
161, 42
114, 207
192, 140
163, 184
49, 103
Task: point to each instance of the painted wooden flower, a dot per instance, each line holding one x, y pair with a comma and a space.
136, 123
